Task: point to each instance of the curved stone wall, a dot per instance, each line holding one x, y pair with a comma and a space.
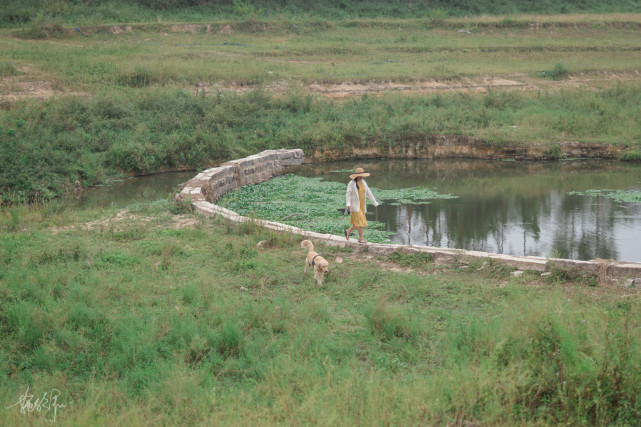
211, 184
208, 186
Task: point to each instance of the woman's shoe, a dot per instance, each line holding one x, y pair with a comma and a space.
362, 241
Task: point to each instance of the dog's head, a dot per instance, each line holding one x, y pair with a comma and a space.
322, 265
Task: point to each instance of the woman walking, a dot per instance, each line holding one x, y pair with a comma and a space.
357, 190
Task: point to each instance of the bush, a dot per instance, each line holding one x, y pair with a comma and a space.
632, 156
558, 72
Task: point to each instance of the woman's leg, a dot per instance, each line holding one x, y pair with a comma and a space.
360, 234
349, 231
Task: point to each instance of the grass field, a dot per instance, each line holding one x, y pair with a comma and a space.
251, 53
149, 318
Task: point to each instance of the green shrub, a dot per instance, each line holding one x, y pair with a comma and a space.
632, 156
555, 152
558, 72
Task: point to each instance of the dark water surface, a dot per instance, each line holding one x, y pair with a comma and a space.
515, 208
140, 189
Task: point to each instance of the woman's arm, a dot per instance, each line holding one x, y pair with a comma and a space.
348, 194
370, 195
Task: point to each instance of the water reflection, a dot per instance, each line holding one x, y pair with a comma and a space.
516, 208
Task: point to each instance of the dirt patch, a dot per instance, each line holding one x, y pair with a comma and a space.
346, 89
194, 28
124, 218
117, 29
28, 85
480, 84
12, 90
225, 29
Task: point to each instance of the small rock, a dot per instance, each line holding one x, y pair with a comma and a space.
547, 273
338, 260
517, 273
242, 288
261, 244
632, 283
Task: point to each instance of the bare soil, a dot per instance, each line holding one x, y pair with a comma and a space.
30, 85
479, 84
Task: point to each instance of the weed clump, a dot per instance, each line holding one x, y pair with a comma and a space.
388, 321
558, 72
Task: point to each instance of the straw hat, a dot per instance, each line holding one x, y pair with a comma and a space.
359, 172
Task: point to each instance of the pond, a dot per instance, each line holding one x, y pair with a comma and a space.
508, 207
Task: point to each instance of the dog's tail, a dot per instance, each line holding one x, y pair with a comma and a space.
307, 244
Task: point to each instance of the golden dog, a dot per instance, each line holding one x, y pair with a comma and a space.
314, 259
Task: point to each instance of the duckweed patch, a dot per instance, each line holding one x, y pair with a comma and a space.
621, 196
316, 205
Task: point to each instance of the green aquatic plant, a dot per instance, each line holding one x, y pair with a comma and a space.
621, 196
314, 204
414, 195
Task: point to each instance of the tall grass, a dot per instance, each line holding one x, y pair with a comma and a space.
136, 322
47, 147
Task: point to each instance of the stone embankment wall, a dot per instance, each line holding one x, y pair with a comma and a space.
211, 184
208, 186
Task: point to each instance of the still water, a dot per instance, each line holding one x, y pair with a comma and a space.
514, 208
128, 191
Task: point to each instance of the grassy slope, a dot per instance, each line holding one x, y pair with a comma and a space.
136, 321
47, 147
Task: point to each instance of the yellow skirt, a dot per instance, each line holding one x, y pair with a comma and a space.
358, 219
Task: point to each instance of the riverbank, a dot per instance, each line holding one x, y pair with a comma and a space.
50, 148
